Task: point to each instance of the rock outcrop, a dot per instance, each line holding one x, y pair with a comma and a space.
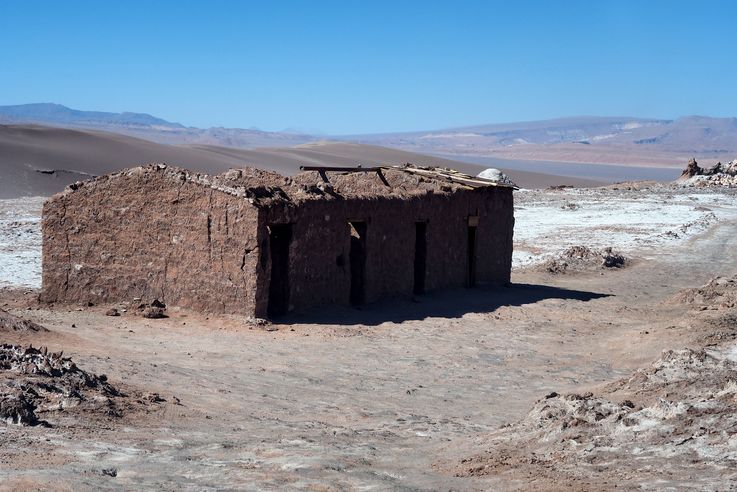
717, 175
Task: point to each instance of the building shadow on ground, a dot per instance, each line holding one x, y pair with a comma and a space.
453, 303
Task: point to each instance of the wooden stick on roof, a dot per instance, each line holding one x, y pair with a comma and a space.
323, 169
357, 169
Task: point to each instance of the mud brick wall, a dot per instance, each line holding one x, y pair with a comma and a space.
159, 232
320, 247
151, 235
494, 234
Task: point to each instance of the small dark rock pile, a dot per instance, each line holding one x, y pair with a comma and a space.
34, 381
153, 310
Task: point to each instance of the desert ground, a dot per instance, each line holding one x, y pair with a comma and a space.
548, 383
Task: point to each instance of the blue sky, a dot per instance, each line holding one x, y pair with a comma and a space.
371, 66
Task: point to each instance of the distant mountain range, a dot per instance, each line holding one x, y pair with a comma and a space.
585, 139
146, 126
50, 113
612, 140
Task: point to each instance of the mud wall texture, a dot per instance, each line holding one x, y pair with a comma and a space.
320, 267
162, 233
150, 235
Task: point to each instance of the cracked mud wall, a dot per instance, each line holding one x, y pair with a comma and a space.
320, 246
149, 235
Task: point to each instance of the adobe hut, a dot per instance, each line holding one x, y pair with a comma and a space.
257, 243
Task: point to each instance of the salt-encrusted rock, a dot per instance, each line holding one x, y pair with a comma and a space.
718, 175
495, 175
579, 258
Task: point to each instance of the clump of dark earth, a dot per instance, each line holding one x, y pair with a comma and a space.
35, 382
8, 322
154, 313
153, 310
580, 258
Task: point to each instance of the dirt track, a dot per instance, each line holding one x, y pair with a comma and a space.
351, 399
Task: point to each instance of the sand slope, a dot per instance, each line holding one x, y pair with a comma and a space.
39, 160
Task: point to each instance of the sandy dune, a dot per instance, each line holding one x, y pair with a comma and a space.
38, 160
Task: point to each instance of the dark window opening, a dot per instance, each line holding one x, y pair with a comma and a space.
420, 257
471, 256
357, 258
279, 238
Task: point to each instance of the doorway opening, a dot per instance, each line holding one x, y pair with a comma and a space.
357, 258
420, 257
280, 236
471, 256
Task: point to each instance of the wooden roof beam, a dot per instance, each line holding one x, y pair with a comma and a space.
357, 169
